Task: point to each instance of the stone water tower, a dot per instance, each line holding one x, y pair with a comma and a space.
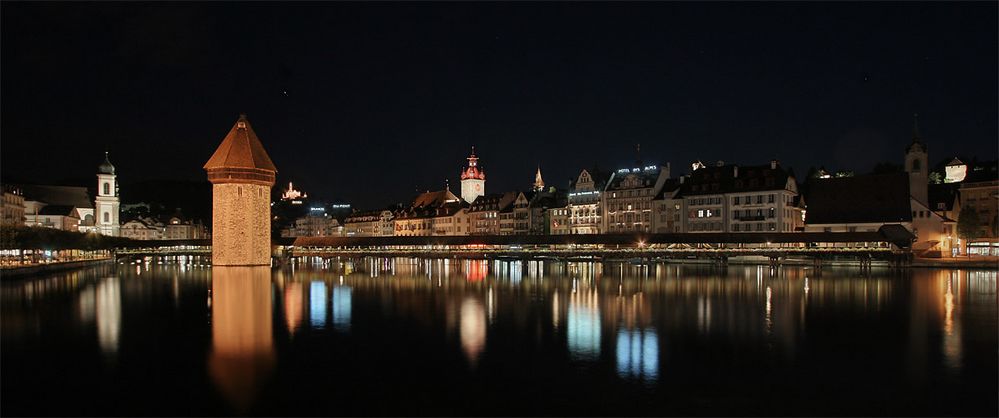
242, 175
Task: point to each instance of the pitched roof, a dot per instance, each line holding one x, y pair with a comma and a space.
241, 149
646, 176
62, 210
58, 195
860, 199
735, 179
434, 199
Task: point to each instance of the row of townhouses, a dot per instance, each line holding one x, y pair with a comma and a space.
710, 198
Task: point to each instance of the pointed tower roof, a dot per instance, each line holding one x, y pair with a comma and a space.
241, 149
916, 140
241, 158
539, 184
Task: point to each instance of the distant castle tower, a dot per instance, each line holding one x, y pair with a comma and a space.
916, 158
539, 184
107, 202
242, 175
473, 179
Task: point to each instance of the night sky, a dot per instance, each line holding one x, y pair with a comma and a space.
370, 102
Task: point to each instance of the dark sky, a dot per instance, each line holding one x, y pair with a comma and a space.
370, 102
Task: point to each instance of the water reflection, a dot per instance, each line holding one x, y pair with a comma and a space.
294, 312
638, 354
109, 314
472, 329
341, 308
681, 330
242, 352
317, 304
583, 323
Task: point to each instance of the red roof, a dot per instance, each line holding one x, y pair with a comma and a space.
241, 149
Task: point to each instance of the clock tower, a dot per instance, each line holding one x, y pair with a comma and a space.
473, 179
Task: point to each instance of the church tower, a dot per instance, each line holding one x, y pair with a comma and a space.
242, 175
539, 184
916, 159
473, 179
107, 204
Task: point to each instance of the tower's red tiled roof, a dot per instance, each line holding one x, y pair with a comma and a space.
241, 149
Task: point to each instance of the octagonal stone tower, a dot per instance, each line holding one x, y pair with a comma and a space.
242, 175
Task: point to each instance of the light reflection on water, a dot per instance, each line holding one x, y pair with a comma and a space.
659, 326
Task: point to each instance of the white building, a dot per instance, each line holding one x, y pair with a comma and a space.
107, 206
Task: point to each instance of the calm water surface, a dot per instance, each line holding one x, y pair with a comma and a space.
448, 337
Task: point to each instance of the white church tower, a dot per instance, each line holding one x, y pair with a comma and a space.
107, 205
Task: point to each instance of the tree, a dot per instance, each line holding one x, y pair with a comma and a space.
969, 224
936, 178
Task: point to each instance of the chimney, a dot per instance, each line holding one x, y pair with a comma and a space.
773, 164
682, 178
735, 171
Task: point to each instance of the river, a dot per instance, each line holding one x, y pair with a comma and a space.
487, 337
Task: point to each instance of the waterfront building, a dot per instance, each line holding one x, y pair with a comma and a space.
933, 230
372, 223
585, 212
173, 227
451, 219
667, 208
980, 192
627, 198
314, 226
858, 204
12, 206
520, 214
107, 205
484, 212
242, 175
62, 217
37, 197
556, 220
473, 179
418, 218
142, 228
732, 198
542, 201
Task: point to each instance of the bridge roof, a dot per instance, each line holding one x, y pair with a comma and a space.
614, 239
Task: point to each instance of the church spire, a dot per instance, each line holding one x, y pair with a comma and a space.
539, 184
917, 143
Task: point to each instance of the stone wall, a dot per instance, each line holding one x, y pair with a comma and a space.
241, 233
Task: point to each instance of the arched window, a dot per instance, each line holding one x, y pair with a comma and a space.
107, 188
917, 165
107, 216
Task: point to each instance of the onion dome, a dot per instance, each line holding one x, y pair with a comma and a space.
106, 167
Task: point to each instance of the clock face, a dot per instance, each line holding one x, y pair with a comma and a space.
478, 187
